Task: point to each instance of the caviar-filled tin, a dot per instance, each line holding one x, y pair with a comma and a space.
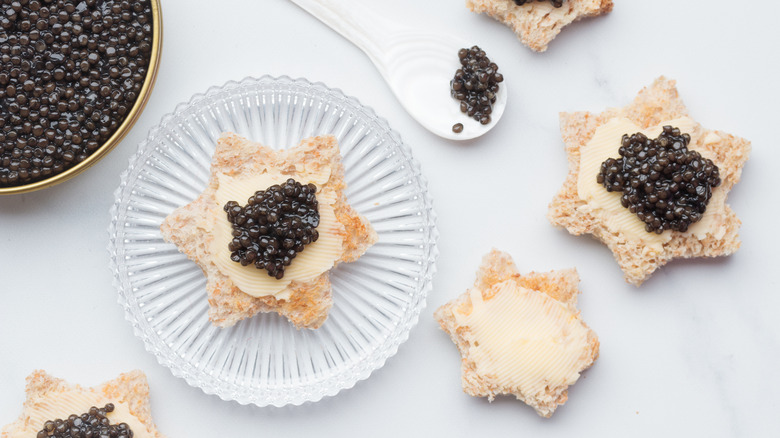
74, 78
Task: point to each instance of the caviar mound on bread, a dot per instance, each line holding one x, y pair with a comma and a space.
520, 335
124, 402
536, 23
276, 262
671, 205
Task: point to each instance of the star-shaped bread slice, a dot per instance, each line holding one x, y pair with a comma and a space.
520, 335
201, 231
537, 23
580, 209
50, 398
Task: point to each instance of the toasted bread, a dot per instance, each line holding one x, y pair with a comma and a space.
189, 228
655, 104
557, 290
537, 23
130, 389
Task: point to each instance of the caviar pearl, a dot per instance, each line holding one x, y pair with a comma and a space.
274, 226
666, 185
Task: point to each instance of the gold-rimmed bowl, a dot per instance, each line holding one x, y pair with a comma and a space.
122, 130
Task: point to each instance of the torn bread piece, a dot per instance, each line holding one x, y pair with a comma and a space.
520, 334
537, 23
50, 398
201, 231
582, 206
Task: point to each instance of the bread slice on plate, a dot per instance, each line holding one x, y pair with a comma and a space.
536, 23
303, 295
520, 335
640, 253
50, 398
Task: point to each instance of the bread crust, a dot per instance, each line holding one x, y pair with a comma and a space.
653, 105
190, 229
131, 388
498, 267
538, 23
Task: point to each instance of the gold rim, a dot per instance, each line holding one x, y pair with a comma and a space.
124, 128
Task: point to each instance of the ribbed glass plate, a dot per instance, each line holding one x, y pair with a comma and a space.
265, 360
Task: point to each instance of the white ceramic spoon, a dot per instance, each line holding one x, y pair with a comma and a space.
418, 65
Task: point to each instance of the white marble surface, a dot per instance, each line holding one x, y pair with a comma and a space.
693, 352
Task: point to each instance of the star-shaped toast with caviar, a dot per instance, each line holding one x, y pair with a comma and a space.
520, 335
268, 228
650, 182
55, 408
537, 22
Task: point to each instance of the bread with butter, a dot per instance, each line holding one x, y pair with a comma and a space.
655, 104
189, 226
537, 23
130, 389
557, 292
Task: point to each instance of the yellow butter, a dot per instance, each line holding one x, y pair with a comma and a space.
524, 339
317, 257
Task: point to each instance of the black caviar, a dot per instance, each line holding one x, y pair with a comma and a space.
556, 3
93, 424
274, 226
475, 84
664, 183
70, 72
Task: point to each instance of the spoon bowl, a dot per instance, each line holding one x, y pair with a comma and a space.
417, 65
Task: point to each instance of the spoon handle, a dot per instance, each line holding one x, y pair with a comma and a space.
356, 22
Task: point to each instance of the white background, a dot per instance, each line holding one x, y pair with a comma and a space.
694, 351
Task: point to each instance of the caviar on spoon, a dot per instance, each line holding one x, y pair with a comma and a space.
417, 63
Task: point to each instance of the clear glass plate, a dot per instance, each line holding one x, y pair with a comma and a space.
264, 360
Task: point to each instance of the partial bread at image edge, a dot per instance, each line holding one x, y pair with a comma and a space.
534, 23
131, 388
497, 267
